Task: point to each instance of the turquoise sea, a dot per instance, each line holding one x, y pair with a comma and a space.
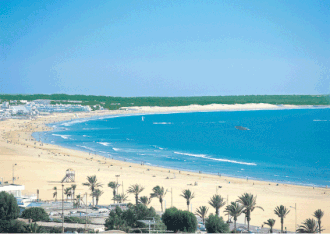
285, 146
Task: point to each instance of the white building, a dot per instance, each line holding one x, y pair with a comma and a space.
5, 105
14, 189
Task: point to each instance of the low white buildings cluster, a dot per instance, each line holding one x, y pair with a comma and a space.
24, 108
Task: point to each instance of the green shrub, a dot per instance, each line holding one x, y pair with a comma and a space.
36, 214
12, 226
178, 220
8, 207
128, 220
214, 224
76, 220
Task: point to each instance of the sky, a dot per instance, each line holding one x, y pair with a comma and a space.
164, 48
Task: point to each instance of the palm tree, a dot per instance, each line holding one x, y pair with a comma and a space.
114, 185
308, 226
55, 193
120, 198
136, 190
234, 210
77, 203
217, 202
73, 186
188, 195
92, 184
281, 211
250, 203
145, 200
202, 212
160, 193
97, 194
68, 193
35, 228
318, 214
270, 223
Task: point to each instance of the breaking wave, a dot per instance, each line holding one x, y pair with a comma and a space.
216, 159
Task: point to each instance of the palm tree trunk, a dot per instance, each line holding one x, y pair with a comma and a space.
271, 229
319, 221
161, 204
248, 225
217, 211
281, 225
136, 199
234, 226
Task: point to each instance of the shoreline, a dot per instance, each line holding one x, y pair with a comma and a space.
50, 162
253, 179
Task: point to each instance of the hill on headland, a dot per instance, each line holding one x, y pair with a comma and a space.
112, 103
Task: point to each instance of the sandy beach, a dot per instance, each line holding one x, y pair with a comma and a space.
42, 166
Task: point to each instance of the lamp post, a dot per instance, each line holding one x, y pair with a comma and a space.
117, 183
62, 209
171, 196
295, 213
14, 172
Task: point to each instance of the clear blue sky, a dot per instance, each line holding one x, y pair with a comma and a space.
165, 48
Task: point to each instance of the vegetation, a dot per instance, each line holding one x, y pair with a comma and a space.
136, 190
160, 193
217, 202
121, 198
34, 228
249, 203
188, 195
145, 200
127, 220
35, 214
9, 209
281, 211
202, 212
12, 226
114, 185
178, 220
73, 189
234, 210
92, 184
215, 224
67, 192
117, 102
75, 220
55, 193
270, 223
308, 226
97, 194
318, 214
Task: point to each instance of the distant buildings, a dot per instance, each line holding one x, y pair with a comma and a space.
37, 107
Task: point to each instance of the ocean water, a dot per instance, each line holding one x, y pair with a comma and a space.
285, 146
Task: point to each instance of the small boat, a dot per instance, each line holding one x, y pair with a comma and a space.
241, 128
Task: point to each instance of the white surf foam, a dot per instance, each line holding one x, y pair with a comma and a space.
216, 159
162, 123
91, 149
104, 143
63, 136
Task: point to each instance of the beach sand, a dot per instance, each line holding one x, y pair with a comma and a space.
42, 166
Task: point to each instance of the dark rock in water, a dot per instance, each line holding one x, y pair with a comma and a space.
241, 128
